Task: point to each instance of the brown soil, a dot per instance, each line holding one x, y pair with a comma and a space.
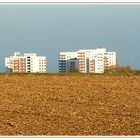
54, 105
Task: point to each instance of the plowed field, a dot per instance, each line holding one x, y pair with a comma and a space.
69, 105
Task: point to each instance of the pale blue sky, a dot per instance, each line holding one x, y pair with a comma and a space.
49, 29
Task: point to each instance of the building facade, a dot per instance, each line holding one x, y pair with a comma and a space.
88, 60
67, 61
29, 62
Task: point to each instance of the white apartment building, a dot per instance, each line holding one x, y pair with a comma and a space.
29, 62
92, 60
67, 60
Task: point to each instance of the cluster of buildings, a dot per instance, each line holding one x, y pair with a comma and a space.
28, 62
84, 61
87, 61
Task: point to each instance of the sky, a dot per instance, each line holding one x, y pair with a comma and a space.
50, 29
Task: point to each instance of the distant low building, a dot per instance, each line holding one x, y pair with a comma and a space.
29, 62
87, 60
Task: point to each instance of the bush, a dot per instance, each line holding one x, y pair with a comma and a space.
72, 70
119, 69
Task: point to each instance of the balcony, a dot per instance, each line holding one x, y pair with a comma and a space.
81, 52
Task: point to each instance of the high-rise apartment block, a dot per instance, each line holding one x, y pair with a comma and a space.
29, 62
87, 60
67, 61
